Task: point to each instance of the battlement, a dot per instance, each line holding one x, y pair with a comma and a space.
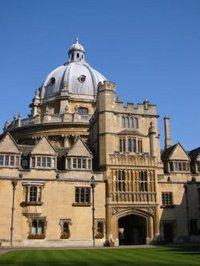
110, 85
141, 108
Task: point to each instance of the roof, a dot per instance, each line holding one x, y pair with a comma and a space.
176, 152
194, 153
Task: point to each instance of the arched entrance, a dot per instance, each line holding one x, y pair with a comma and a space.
132, 230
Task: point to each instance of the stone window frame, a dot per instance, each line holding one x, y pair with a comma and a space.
135, 147
120, 181
37, 234
9, 160
82, 196
130, 121
143, 181
179, 166
167, 199
65, 234
78, 163
33, 192
99, 234
43, 162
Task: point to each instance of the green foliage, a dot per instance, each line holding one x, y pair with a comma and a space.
156, 256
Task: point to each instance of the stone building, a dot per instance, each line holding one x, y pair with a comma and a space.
84, 169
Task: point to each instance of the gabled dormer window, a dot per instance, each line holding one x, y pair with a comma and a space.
9, 160
43, 162
198, 167
179, 166
78, 163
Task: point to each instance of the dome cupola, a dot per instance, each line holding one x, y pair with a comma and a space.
76, 52
76, 77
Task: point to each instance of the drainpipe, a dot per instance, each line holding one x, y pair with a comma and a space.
14, 185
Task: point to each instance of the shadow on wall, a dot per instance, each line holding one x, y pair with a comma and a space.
180, 223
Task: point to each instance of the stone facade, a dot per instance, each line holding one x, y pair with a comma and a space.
83, 169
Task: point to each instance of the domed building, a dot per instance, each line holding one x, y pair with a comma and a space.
86, 169
63, 105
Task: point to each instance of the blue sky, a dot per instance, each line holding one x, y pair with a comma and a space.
149, 48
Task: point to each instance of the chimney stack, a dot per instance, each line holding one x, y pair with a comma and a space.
167, 132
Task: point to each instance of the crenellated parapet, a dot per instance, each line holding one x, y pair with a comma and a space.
145, 108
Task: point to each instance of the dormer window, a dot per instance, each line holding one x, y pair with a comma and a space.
78, 163
8, 160
179, 166
43, 162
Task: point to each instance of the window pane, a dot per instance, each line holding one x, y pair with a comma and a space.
17, 161
65, 227
74, 163
129, 145
83, 111
43, 161
40, 227
69, 163
38, 161
89, 164
100, 227
48, 161
34, 227
12, 160
79, 163
84, 163
33, 194
33, 162
7, 160
1, 159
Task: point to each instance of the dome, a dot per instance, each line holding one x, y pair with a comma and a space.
76, 77
76, 46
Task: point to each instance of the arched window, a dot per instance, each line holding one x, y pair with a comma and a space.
129, 122
100, 227
135, 122
66, 227
37, 229
123, 122
132, 145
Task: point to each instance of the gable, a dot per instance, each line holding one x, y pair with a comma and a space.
79, 149
198, 157
179, 153
43, 147
8, 145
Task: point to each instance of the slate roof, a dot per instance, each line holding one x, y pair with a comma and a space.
167, 152
194, 153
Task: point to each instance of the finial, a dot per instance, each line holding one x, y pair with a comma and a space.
77, 40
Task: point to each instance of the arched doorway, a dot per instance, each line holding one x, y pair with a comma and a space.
132, 230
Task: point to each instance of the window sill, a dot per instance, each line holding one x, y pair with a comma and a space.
99, 236
81, 204
33, 203
65, 236
36, 236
